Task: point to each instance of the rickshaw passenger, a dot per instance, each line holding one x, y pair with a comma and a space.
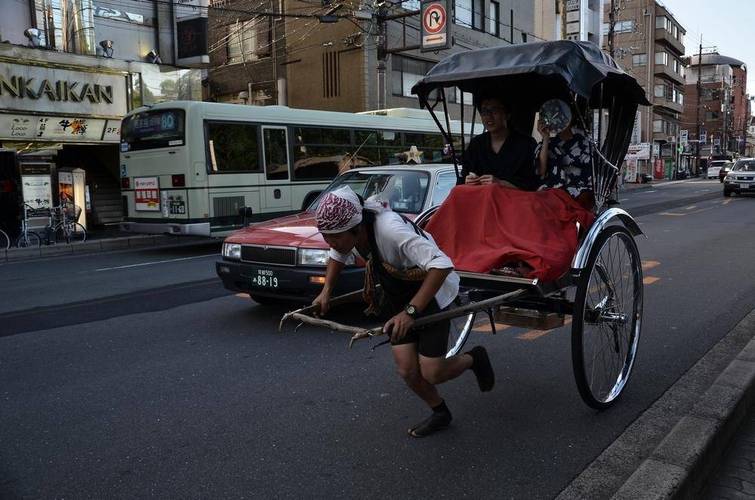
564, 161
500, 155
415, 278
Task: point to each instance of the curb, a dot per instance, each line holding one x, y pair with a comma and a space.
671, 449
103, 245
680, 465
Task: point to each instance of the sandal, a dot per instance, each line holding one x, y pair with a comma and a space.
438, 421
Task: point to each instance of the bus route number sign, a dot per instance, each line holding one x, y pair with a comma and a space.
434, 25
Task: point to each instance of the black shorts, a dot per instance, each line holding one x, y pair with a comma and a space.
431, 340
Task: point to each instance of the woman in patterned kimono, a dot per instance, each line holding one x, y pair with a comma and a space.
564, 160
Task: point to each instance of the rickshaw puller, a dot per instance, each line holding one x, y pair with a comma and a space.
415, 277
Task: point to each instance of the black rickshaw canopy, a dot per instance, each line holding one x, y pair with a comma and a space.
535, 72
526, 75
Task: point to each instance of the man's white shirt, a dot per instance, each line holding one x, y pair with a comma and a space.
401, 247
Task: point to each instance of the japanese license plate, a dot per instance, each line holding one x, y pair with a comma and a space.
744, 186
265, 278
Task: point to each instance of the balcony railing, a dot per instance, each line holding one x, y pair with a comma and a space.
663, 36
667, 71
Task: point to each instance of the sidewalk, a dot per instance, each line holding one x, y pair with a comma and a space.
674, 447
636, 186
735, 477
103, 241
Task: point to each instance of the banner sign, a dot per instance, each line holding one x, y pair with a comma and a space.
147, 194
37, 191
61, 91
434, 27
59, 128
638, 151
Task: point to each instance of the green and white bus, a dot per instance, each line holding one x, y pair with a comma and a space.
188, 167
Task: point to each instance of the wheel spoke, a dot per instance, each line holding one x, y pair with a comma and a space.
611, 314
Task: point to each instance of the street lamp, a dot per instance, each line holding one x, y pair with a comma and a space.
33, 34
107, 48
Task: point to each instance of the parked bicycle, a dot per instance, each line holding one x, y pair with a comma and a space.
67, 229
4, 240
28, 238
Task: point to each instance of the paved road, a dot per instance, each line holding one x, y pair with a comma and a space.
205, 399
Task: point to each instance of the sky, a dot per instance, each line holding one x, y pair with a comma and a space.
727, 24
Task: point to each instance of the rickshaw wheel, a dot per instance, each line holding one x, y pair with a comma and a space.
458, 332
607, 318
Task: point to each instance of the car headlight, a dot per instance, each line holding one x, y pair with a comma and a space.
232, 251
313, 257
728, 178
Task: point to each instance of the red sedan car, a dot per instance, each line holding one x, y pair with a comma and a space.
284, 259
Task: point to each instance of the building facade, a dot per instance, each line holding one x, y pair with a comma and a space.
70, 70
247, 46
580, 20
721, 114
649, 45
372, 60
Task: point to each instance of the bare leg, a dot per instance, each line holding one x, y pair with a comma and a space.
439, 370
407, 362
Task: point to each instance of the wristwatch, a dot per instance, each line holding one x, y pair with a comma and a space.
411, 311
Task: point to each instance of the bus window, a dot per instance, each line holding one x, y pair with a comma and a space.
153, 129
233, 147
322, 153
275, 154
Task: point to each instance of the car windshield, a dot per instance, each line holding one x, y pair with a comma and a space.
404, 190
745, 166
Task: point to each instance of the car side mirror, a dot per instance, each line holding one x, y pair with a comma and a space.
246, 214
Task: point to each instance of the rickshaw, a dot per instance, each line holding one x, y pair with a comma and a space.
603, 289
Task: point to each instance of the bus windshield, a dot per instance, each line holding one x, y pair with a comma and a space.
153, 129
405, 191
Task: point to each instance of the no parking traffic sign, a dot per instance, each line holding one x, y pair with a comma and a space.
434, 25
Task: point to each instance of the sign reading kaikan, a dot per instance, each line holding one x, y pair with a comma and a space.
52, 90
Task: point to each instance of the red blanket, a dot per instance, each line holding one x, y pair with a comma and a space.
486, 227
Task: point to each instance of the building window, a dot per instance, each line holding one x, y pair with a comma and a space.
478, 14
639, 59
405, 73
657, 125
331, 74
661, 22
624, 26
463, 13
661, 58
248, 40
660, 91
711, 115
494, 27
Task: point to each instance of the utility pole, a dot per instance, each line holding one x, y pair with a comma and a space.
699, 91
611, 25
382, 18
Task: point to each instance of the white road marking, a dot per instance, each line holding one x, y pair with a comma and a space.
142, 264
